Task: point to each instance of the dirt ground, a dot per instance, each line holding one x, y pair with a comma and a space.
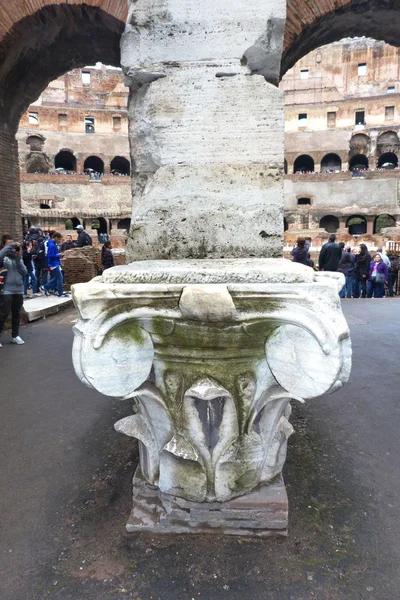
66, 489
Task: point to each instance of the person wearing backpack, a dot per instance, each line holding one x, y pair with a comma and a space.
84, 238
54, 262
40, 258
11, 295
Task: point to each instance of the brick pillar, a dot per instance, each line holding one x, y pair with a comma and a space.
370, 226
10, 195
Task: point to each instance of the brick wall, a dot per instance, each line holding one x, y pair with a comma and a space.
10, 200
82, 264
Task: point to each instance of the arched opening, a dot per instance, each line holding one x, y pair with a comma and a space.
75, 222
35, 142
303, 164
309, 26
360, 143
388, 160
329, 223
93, 164
358, 163
357, 225
388, 138
285, 167
331, 163
285, 225
65, 161
60, 37
120, 166
382, 221
124, 224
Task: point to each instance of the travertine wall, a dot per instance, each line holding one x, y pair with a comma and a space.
206, 129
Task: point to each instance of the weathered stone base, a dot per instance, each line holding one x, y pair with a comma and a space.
262, 513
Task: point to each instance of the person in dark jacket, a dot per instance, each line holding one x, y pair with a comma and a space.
107, 258
11, 297
378, 274
54, 262
330, 255
30, 276
347, 266
68, 244
361, 271
300, 251
84, 238
39, 258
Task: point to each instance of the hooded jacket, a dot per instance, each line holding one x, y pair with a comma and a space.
16, 271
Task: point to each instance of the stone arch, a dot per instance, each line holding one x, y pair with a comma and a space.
64, 37
65, 159
382, 221
303, 163
94, 163
35, 142
357, 224
358, 162
330, 223
309, 26
331, 163
120, 165
360, 143
388, 160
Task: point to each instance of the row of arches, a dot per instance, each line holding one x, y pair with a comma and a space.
332, 163
357, 224
65, 160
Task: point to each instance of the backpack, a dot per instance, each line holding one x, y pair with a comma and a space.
40, 249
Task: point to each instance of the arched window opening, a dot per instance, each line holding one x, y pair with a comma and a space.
93, 164
383, 221
304, 202
65, 161
124, 224
75, 222
329, 223
358, 163
388, 160
35, 142
388, 138
331, 163
360, 143
285, 225
285, 167
357, 225
120, 166
303, 164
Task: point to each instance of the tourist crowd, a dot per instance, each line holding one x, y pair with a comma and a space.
365, 276
35, 264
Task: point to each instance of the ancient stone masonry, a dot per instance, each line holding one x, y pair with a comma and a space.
212, 352
206, 129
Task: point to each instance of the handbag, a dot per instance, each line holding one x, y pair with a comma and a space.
380, 278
